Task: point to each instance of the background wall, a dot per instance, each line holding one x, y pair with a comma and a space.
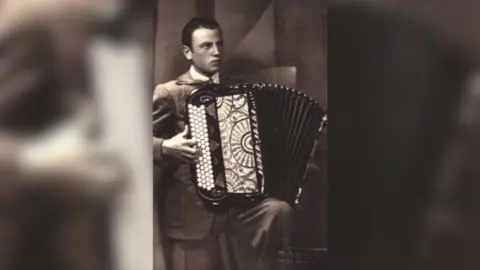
258, 34
261, 34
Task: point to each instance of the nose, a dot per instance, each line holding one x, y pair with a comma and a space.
215, 50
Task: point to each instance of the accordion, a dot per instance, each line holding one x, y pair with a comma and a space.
256, 140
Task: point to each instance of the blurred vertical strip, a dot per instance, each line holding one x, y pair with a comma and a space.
451, 236
394, 88
123, 81
127, 129
64, 74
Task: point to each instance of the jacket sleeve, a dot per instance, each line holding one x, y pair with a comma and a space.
163, 122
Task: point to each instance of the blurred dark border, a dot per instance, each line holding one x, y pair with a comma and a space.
394, 84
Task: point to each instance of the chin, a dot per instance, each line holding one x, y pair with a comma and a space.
213, 71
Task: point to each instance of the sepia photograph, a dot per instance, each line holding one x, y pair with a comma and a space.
239, 134
192, 134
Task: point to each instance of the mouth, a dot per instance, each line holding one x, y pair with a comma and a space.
215, 62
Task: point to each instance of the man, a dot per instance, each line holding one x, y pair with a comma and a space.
193, 229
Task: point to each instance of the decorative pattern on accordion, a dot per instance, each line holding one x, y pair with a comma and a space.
237, 145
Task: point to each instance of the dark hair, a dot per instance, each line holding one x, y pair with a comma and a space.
194, 24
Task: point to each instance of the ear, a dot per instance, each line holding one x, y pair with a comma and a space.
187, 52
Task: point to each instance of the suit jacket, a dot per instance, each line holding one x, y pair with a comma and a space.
183, 214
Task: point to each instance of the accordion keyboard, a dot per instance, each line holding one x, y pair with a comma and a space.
199, 129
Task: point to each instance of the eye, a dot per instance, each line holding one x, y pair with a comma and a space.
206, 45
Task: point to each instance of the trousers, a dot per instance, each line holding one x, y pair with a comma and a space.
251, 240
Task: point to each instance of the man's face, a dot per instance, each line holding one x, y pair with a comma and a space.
206, 50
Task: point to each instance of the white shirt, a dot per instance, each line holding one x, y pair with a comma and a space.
200, 77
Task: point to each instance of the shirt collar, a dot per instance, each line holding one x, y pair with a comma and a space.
200, 77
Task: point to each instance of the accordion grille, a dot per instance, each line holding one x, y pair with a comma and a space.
239, 157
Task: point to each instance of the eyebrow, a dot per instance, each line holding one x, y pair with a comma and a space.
206, 43
210, 42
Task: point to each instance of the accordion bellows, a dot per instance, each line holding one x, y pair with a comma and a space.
256, 140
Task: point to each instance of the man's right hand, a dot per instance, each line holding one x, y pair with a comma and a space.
181, 148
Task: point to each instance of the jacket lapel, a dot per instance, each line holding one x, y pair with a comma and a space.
185, 77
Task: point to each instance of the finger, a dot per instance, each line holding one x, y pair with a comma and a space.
185, 130
190, 150
191, 142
